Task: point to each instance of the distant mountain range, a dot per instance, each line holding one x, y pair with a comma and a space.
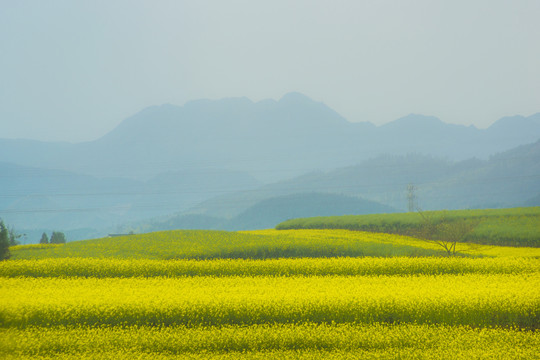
271, 140
220, 163
269, 212
379, 185
66, 200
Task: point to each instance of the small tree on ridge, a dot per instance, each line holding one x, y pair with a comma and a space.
58, 237
4, 241
44, 239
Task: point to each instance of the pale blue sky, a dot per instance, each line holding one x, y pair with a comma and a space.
72, 70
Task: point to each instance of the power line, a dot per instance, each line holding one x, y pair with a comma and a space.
117, 207
258, 189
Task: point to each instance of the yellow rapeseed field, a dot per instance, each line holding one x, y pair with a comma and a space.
181, 295
269, 341
344, 266
475, 300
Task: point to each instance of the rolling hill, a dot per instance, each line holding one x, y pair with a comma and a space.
38, 200
269, 212
215, 159
508, 179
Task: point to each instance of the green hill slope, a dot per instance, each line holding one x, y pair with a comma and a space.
205, 244
260, 244
505, 227
268, 213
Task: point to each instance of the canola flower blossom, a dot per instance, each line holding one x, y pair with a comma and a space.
233, 296
304, 341
475, 300
343, 266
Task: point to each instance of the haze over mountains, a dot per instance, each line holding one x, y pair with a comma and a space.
378, 185
270, 139
174, 159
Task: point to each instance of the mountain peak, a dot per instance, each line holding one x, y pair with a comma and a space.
415, 120
516, 126
295, 97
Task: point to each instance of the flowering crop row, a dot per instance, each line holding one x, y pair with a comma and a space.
475, 300
101, 268
305, 341
268, 294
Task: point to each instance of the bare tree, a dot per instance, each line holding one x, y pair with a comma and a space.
445, 232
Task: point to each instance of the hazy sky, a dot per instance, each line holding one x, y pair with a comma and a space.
72, 70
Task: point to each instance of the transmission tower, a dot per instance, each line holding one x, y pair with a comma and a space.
411, 197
